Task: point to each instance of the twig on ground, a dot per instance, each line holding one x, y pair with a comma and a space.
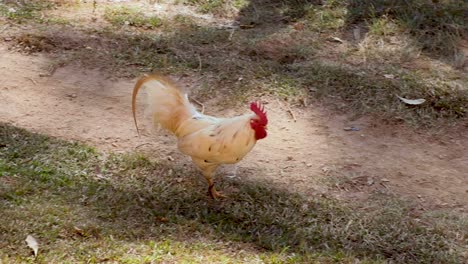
51, 70
4, 28
199, 63
141, 145
32, 80
200, 104
196, 82
290, 111
231, 34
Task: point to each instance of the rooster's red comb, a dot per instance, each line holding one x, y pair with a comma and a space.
259, 110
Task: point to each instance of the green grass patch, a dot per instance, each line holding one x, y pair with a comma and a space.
86, 206
383, 26
217, 7
211, 6
328, 17
437, 25
57, 21
123, 15
22, 11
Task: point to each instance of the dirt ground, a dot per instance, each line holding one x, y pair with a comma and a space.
317, 154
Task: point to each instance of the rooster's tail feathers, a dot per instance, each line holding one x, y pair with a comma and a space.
168, 106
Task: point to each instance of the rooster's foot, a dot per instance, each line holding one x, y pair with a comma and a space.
215, 194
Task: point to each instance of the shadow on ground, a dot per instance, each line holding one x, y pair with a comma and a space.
130, 198
437, 26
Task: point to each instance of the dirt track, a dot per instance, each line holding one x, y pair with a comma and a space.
305, 155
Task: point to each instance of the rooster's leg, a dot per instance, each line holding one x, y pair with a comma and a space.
208, 172
212, 190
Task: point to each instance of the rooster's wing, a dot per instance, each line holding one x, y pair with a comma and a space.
224, 142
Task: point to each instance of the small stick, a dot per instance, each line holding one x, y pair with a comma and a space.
292, 113
200, 104
94, 6
51, 70
195, 100
32, 80
384, 185
4, 28
141, 145
231, 34
289, 110
199, 63
199, 79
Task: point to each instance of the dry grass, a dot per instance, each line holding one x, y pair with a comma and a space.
126, 16
23, 11
372, 92
437, 26
260, 69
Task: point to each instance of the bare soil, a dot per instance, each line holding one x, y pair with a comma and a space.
321, 153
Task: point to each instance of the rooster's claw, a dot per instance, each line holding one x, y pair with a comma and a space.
215, 194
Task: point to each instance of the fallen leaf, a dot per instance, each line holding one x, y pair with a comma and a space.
32, 243
162, 219
412, 101
335, 39
80, 231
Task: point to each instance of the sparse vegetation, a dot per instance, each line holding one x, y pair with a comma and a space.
366, 92
243, 62
87, 206
217, 7
121, 16
21, 11
437, 25
326, 17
